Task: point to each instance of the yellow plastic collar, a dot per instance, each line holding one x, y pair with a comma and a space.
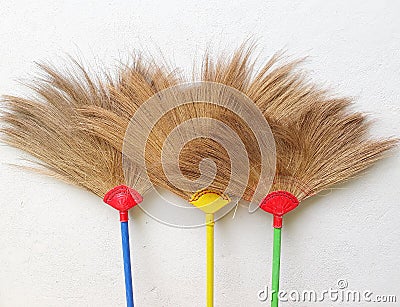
209, 201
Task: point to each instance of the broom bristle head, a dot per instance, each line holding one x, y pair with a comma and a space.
78, 125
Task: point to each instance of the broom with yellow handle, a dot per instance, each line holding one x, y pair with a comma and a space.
46, 127
209, 202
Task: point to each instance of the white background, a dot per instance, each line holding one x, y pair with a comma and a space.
60, 246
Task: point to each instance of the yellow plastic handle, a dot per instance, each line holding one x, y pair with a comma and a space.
210, 259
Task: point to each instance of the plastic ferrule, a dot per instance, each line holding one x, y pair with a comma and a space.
123, 216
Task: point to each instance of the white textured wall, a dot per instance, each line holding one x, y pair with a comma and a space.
60, 246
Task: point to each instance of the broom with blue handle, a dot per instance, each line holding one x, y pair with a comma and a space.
124, 198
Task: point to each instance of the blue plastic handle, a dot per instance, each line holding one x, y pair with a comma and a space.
127, 264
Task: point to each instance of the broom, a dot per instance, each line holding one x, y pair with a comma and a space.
44, 125
327, 145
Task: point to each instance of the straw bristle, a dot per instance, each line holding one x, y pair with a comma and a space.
45, 126
324, 147
201, 148
138, 82
134, 85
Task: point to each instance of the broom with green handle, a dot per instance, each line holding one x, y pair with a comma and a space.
277, 203
327, 145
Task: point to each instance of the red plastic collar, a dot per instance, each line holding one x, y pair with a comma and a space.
123, 198
279, 203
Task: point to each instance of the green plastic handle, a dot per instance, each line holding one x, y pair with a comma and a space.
276, 264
